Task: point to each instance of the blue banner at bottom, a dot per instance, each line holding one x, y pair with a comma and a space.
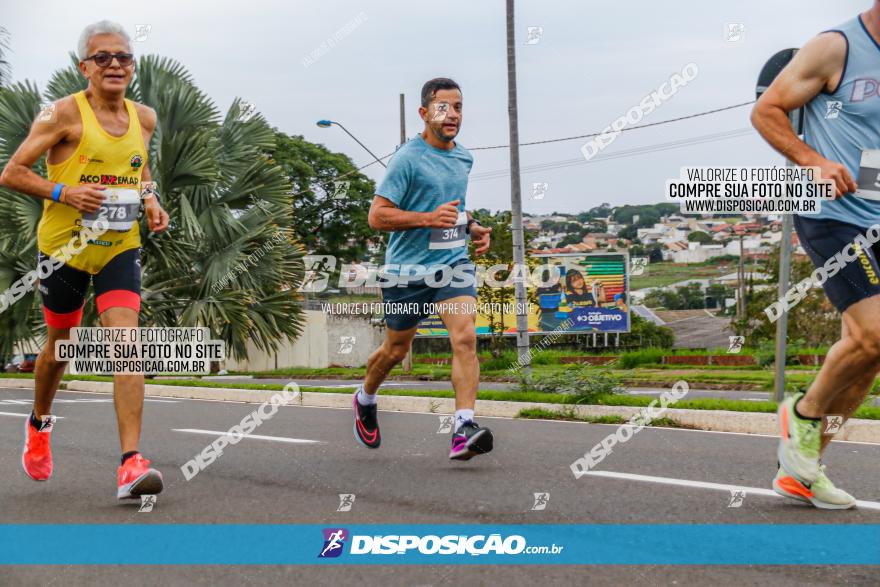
276, 544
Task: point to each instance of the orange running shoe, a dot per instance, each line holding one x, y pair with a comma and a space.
137, 478
36, 458
822, 493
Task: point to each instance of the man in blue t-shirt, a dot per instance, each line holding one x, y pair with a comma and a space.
421, 202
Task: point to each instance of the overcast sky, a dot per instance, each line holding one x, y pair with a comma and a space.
593, 62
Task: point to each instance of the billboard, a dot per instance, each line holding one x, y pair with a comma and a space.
590, 295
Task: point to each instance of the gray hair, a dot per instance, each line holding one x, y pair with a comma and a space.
103, 27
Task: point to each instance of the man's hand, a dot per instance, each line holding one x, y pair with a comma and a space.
157, 218
843, 181
480, 236
85, 198
445, 216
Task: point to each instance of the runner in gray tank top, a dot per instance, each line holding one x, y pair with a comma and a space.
836, 77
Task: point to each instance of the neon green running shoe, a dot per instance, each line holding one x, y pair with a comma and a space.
822, 494
801, 439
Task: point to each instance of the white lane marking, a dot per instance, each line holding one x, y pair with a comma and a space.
869, 505
660, 428
27, 402
356, 384
254, 436
715, 396
23, 415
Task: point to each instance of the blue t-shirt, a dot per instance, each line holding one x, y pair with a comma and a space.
419, 179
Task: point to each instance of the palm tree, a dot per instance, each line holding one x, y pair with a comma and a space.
19, 105
228, 260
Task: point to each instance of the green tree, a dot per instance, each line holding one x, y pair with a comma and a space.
603, 210
629, 232
500, 253
683, 297
648, 214
719, 293
595, 226
332, 200
571, 239
698, 236
813, 321
646, 334
228, 260
664, 298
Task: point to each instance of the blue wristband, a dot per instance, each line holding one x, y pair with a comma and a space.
56, 191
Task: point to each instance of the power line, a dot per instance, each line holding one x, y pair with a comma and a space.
546, 141
656, 148
625, 129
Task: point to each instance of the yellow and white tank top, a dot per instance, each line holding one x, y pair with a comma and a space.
100, 158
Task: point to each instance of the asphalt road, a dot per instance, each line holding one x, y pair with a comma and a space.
409, 480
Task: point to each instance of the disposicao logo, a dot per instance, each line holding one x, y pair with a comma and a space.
334, 541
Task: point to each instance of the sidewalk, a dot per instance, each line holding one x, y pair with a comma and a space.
714, 420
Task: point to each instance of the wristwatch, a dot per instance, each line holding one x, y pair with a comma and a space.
148, 190
467, 228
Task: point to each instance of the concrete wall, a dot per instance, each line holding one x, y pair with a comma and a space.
351, 339
326, 340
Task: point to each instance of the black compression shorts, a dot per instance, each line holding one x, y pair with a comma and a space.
63, 291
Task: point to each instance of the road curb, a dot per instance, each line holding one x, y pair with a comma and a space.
715, 420
20, 383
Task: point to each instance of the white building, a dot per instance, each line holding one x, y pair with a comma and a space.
697, 253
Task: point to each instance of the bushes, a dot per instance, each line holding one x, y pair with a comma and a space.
633, 359
500, 363
586, 382
647, 334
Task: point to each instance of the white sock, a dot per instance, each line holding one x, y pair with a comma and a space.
462, 416
365, 399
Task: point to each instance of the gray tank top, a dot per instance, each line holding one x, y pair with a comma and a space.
839, 125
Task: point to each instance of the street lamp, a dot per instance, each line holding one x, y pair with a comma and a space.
328, 123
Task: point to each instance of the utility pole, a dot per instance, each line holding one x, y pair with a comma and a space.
741, 278
768, 73
402, 120
408, 359
519, 253
782, 322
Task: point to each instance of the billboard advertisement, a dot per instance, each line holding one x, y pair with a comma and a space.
575, 293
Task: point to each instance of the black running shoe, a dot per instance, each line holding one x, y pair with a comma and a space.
366, 424
469, 441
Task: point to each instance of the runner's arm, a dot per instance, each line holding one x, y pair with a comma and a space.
148, 119
480, 235
385, 216
816, 67
157, 217
18, 174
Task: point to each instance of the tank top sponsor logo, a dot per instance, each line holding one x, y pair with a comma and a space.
109, 179
864, 88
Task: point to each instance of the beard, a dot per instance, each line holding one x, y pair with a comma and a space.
441, 135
